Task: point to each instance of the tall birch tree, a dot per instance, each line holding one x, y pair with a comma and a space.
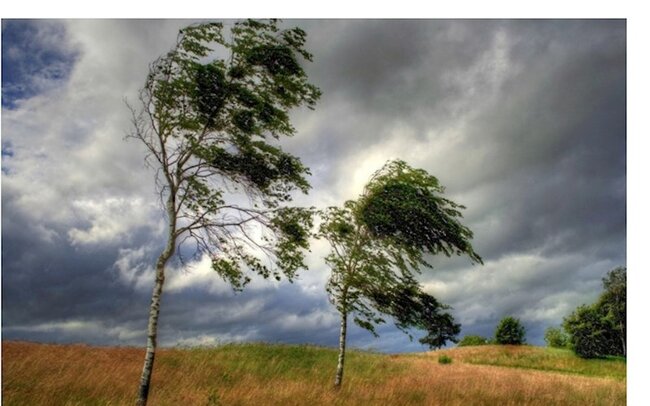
211, 125
379, 243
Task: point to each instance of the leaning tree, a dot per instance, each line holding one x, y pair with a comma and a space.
379, 242
211, 126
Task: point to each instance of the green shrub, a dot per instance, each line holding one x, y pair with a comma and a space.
471, 340
590, 335
556, 338
599, 330
510, 331
444, 359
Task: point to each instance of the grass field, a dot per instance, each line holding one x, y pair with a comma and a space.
262, 374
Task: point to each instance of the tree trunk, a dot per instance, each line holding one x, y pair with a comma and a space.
342, 338
154, 309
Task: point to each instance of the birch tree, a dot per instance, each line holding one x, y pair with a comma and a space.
379, 243
211, 125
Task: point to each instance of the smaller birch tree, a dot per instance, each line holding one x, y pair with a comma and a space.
379, 243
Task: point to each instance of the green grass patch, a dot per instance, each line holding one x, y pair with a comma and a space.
550, 359
292, 362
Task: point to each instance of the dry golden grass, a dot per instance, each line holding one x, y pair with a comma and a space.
258, 374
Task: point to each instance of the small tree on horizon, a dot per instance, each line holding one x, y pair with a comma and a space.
556, 337
210, 128
510, 331
472, 340
378, 244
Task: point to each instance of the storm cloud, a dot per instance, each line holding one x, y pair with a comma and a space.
523, 121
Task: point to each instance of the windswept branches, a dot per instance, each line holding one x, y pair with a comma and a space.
205, 124
411, 308
210, 126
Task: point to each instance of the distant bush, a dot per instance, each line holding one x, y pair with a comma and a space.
510, 331
444, 359
556, 338
473, 340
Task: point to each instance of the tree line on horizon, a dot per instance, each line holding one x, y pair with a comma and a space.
598, 330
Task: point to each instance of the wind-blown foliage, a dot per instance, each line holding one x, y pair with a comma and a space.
407, 207
211, 127
410, 307
378, 244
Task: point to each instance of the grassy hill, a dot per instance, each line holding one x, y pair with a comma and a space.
262, 374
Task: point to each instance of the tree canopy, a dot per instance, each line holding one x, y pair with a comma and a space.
405, 207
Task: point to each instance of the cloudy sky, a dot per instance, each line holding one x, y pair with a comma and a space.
523, 121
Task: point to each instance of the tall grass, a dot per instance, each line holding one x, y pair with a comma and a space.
260, 374
544, 359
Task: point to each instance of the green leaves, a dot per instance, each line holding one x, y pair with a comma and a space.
472, 340
406, 206
210, 92
410, 307
510, 331
292, 226
556, 337
590, 334
277, 59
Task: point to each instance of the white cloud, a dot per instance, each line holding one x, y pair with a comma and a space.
209, 340
111, 219
317, 320
527, 285
81, 328
135, 268
199, 275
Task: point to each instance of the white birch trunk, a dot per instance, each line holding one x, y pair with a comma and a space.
154, 309
342, 339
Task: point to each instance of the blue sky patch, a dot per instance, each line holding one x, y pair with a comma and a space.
36, 56
7, 152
